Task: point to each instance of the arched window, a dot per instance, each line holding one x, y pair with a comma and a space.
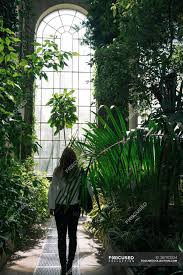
65, 27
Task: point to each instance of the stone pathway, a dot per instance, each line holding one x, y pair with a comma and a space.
48, 262
43, 259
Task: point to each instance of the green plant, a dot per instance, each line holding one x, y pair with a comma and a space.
63, 111
128, 170
16, 75
101, 25
145, 41
23, 202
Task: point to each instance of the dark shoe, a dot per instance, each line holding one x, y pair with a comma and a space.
63, 272
69, 268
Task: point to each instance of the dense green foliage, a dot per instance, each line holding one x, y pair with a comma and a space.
17, 16
9, 12
110, 87
100, 23
23, 195
15, 73
153, 32
63, 111
23, 203
128, 171
149, 40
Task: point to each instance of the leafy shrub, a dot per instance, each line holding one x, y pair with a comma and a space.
23, 202
137, 174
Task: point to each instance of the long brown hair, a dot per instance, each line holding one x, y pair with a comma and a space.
68, 163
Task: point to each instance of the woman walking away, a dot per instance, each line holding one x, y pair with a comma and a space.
63, 201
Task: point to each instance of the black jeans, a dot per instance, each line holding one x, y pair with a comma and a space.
67, 219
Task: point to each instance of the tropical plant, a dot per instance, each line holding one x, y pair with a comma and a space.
63, 111
126, 169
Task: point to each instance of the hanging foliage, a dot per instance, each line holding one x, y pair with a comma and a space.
149, 36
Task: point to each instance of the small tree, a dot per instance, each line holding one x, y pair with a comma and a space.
63, 111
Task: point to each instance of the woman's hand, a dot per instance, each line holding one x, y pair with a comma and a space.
52, 212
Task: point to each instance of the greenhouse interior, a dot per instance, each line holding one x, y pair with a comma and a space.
91, 137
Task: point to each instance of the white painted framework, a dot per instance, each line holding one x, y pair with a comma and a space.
64, 24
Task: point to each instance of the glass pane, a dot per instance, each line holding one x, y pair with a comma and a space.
67, 44
46, 165
67, 19
37, 130
84, 49
80, 15
49, 31
75, 63
47, 70
57, 77
38, 97
77, 23
58, 147
58, 41
38, 83
51, 16
38, 113
68, 66
67, 28
55, 163
82, 32
75, 80
49, 83
66, 80
55, 22
39, 40
84, 65
46, 132
59, 32
47, 149
75, 94
46, 95
60, 135
75, 46
84, 80
84, 97
41, 29
93, 109
46, 113
84, 114
75, 130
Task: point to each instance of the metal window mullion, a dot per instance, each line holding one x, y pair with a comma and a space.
41, 119
61, 20
78, 91
72, 67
